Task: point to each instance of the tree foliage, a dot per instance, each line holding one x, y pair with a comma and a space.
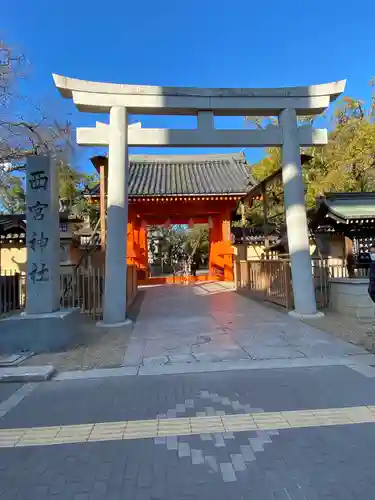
345, 164
172, 244
71, 184
197, 245
12, 194
178, 244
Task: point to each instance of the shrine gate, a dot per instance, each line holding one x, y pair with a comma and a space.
179, 189
205, 103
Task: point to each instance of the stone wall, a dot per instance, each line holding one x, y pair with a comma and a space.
349, 297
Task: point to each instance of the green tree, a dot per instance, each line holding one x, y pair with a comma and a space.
71, 185
171, 245
197, 242
12, 194
346, 163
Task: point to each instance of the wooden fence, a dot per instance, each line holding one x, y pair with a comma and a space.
81, 287
12, 291
325, 269
267, 279
271, 279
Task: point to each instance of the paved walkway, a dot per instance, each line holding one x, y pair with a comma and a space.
207, 323
292, 433
207, 327
286, 434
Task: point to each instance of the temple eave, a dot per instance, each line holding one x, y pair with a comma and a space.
172, 198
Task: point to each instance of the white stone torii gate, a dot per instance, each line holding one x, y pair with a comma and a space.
121, 100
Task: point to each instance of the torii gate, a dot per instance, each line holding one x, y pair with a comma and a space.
121, 100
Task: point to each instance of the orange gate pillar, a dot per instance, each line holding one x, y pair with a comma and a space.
137, 246
221, 250
227, 246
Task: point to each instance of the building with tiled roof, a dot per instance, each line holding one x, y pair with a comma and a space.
185, 175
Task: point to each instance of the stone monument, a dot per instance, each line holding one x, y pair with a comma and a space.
42, 236
43, 326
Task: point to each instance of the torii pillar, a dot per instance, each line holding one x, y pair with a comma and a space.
296, 218
114, 312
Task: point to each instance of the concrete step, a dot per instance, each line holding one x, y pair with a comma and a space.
26, 373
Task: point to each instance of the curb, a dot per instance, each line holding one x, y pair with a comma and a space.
26, 373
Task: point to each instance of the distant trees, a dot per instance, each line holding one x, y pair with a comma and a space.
178, 244
197, 243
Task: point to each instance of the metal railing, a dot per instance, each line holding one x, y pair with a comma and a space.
81, 287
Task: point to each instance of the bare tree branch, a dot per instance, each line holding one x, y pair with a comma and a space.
25, 128
28, 131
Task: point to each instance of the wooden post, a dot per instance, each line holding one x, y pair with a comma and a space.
243, 217
226, 239
265, 218
243, 224
130, 241
349, 257
215, 238
144, 241
103, 205
225, 225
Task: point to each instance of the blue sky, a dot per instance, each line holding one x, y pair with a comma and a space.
195, 43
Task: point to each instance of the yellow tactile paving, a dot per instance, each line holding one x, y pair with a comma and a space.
141, 429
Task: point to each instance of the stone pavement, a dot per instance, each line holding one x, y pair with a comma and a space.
294, 430
209, 322
287, 434
96, 348
182, 329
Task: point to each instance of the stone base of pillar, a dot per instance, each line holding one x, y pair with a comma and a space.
40, 333
298, 315
127, 322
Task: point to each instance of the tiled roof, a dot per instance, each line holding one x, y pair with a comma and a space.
188, 175
10, 221
344, 207
351, 205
